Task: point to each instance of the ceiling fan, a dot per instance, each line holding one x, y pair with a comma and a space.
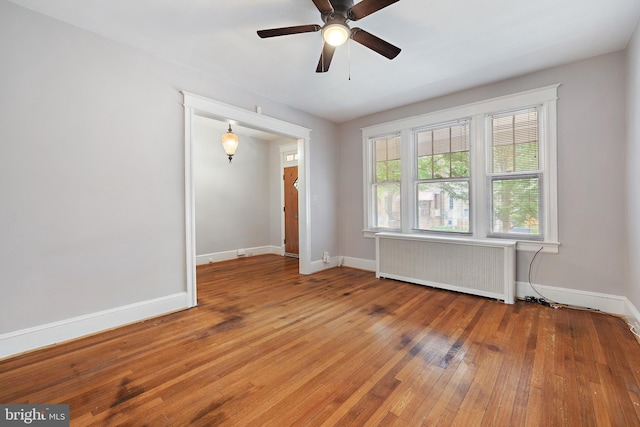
336, 14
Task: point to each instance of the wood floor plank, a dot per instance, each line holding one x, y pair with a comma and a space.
269, 347
500, 403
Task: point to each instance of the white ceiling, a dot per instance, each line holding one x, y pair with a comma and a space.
447, 45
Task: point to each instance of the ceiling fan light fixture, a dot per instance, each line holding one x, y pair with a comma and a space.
336, 34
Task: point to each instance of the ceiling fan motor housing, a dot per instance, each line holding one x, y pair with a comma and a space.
340, 12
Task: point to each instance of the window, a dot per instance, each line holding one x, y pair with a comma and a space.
442, 187
515, 174
483, 170
386, 182
291, 157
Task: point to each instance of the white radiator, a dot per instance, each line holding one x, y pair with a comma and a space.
479, 267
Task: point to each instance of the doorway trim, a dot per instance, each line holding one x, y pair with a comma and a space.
199, 105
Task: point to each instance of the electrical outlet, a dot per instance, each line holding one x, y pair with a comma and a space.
326, 257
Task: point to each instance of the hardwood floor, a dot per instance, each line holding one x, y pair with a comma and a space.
268, 347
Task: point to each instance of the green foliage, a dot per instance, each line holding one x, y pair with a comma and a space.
388, 170
515, 157
516, 201
516, 205
388, 205
460, 164
448, 165
458, 190
441, 165
425, 167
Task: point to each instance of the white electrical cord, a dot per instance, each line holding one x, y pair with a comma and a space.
555, 304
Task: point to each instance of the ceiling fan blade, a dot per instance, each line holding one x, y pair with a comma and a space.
367, 7
325, 58
324, 6
284, 31
374, 43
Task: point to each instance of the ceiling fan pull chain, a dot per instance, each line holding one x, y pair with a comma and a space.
322, 53
349, 57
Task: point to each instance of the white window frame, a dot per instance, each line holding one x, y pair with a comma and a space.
480, 204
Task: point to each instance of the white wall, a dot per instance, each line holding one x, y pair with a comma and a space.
92, 171
633, 168
275, 202
591, 173
324, 196
232, 199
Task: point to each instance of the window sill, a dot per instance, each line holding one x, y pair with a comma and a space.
530, 246
521, 245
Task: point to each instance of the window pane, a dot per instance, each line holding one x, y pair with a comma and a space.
460, 138
527, 156
443, 206
425, 143
393, 170
503, 159
425, 155
387, 158
388, 171
515, 141
387, 205
441, 165
425, 167
441, 141
443, 152
516, 206
460, 164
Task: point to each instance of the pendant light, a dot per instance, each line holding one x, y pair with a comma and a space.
230, 143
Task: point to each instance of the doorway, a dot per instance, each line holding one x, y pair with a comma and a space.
197, 105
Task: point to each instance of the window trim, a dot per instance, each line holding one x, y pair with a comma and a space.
478, 113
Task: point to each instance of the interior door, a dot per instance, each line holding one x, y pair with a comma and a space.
291, 246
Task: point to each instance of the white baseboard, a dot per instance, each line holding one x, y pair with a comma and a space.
359, 263
604, 302
227, 255
320, 265
24, 340
632, 314
608, 303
